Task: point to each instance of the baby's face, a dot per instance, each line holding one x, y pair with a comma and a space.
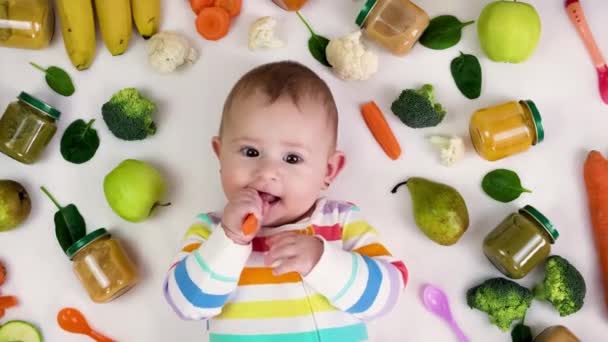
283, 151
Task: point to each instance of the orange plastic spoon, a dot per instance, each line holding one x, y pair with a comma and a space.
250, 224
73, 321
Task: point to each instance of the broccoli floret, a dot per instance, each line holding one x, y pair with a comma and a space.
129, 115
564, 286
417, 107
503, 300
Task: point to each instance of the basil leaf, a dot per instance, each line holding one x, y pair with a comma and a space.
57, 79
69, 224
79, 142
503, 185
443, 32
466, 72
316, 44
521, 333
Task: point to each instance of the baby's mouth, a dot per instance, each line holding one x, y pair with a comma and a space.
269, 198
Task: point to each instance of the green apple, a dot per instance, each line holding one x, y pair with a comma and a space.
133, 189
508, 31
15, 204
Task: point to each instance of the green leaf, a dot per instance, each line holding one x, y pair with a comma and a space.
69, 224
79, 142
57, 79
521, 333
317, 44
503, 185
443, 32
466, 72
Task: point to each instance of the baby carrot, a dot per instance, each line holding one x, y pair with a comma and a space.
233, 7
198, 5
213, 23
596, 182
376, 122
7, 301
250, 224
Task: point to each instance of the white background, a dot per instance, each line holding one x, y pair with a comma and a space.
559, 78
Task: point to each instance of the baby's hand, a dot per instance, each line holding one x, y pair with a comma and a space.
293, 252
247, 201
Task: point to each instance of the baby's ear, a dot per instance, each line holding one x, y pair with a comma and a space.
216, 144
335, 164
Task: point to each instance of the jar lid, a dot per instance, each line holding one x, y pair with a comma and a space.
367, 7
85, 241
40, 105
538, 122
543, 220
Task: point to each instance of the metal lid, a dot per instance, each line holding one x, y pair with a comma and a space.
85, 241
367, 7
542, 219
40, 105
538, 122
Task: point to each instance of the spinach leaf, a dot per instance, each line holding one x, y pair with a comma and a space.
79, 142
521, 333
57, 79
69, 224
443, 32
503, 185
316, 44
466, 72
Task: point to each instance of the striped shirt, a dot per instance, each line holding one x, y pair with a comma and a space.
355, 280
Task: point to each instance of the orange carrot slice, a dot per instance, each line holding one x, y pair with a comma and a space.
232, 6
376, 122
2, 274
7, 301
213, 23
198, 5
249, 225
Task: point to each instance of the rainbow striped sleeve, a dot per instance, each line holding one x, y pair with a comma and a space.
369, 281
206, 271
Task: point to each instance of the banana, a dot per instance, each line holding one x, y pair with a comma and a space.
115, 23
146, 14
78, 27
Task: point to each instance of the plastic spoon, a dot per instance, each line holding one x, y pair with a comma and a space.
577, 16
436, 302
73, 321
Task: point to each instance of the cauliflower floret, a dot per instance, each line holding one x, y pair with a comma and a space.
451, 147
261, 34
168, 50
350, 59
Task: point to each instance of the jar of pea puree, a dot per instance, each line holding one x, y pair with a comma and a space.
26, 127
520, 242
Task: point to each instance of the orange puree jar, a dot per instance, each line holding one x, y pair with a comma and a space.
102, 266
500, 131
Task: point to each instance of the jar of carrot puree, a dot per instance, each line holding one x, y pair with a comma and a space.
27, 24
290, 5
394, 24
102, 266
510, 128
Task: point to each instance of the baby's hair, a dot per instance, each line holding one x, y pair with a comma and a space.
286, 78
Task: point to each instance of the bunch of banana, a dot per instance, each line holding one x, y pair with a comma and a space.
78, 27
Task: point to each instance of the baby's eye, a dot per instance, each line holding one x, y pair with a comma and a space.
250, 152
293, 159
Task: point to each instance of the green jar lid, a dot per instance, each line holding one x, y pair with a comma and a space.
542, 219
369, 4
538, 122
85, 241
40, 105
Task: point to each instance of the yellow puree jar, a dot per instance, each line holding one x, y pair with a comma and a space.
103, 267
26, 24
510, 128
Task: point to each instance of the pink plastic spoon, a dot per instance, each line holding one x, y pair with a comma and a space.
73, 321
436, 302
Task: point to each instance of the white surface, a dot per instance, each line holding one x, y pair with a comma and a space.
559, 77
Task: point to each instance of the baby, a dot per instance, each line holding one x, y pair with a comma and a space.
314, 270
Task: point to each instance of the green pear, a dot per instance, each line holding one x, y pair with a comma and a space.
133, 189
439, 210
15, 204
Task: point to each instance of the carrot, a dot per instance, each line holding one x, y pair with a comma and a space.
596, 183
2, 274
198, 5
376, 122
213, 23
7, 301
232, 6
249, 225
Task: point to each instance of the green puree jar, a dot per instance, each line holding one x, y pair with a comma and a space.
26, 127
520, 242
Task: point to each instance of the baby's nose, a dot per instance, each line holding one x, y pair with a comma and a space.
268, 170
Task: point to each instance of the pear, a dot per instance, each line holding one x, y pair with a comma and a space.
15, 204
439, 210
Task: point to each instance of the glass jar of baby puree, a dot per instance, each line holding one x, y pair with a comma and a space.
26, 24
290, 5
26, 127
395, 24
520, 242
103, 267
506, 129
